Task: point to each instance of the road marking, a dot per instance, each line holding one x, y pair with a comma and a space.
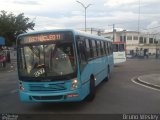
133, 80
147, 82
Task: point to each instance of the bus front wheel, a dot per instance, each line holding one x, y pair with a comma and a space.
92, 93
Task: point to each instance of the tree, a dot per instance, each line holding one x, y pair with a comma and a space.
11, 26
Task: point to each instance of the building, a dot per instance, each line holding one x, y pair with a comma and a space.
136, 41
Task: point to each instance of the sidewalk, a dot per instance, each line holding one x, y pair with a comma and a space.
9, 66
151, 79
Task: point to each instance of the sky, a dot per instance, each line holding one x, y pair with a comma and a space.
101, 14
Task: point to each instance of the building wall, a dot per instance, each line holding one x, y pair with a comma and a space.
135, 40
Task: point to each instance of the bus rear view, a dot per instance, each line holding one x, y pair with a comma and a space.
119, 53
47, 67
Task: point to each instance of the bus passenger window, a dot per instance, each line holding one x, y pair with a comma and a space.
111, 48
91, 49
98, 48
94, 48
106, 47
102, 48
115, 47
82, 53
87, 48
121, 47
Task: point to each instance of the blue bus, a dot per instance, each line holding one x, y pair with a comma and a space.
62, 65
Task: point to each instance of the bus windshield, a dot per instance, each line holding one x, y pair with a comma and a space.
118, 47
46, 60
115, 47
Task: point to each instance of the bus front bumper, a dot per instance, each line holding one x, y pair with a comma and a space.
73, 95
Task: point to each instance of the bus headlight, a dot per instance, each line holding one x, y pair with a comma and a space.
74, 84
21, 86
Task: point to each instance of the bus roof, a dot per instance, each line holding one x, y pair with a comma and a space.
76, 32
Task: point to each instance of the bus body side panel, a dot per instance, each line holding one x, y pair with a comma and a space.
97, 68
101, 69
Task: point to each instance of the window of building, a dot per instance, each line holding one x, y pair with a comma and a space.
135, 37
151, 40
129, 37
141, 40
123, 38
145, 40
155, 41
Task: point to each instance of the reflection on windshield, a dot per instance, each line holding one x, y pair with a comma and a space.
118, 47
47, 60
115, 47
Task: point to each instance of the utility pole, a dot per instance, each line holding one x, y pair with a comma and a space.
113, 32
85, 8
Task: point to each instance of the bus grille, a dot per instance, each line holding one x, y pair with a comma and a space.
49, 87
48, 97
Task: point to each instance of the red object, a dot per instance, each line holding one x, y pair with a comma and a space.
118, 42
2, 58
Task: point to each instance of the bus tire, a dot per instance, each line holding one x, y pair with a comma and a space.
92, 93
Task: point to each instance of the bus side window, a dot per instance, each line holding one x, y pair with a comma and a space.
94, 48
106, 48
121, 47
82, 53
91, 49
111, 48
102, 48
98, 48
87, 48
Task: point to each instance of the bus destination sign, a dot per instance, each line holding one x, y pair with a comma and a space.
43, 38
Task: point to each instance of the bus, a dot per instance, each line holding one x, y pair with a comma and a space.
62, 65
119, 52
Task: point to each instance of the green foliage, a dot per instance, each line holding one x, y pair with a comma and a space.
11, 26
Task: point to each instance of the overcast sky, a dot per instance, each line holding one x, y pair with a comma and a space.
49, 14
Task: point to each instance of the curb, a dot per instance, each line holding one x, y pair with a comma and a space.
147, 83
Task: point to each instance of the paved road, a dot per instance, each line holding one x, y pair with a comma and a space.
119, 95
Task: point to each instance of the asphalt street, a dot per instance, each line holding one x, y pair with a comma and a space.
118, 95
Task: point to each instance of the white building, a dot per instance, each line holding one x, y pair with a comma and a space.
136, 41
